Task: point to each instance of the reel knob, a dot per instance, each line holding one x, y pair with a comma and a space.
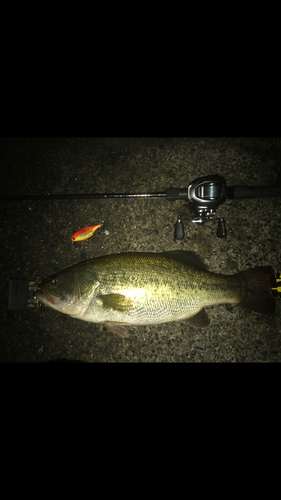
221, 231
179, 232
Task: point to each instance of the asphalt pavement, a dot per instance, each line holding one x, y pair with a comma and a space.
36, 240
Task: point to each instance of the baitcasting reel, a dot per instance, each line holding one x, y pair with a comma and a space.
206, 193
209, 192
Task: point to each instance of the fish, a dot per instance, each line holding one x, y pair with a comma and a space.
85, 233
126, 289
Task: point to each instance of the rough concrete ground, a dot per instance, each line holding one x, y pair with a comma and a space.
36, 241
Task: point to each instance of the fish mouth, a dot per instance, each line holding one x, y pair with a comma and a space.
44, 296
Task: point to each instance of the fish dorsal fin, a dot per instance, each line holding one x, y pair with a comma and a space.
189, 258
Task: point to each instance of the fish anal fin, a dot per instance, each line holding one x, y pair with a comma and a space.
201, 319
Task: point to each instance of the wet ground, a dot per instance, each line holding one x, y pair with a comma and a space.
36, 241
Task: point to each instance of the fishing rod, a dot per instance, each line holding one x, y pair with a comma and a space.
205, 194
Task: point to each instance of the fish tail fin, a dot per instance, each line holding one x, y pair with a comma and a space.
257, 286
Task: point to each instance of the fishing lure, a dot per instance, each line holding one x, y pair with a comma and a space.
85, 233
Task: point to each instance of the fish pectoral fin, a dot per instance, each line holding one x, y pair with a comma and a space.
114, 302
118, 328
200, 319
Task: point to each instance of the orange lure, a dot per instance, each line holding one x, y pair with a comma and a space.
85, 233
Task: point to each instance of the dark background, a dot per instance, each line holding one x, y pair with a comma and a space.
36, 240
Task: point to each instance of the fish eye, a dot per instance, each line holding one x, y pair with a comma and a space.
54, 280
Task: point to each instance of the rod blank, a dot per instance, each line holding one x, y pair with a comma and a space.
35, 197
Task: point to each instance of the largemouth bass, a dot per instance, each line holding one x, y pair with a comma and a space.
151, 288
